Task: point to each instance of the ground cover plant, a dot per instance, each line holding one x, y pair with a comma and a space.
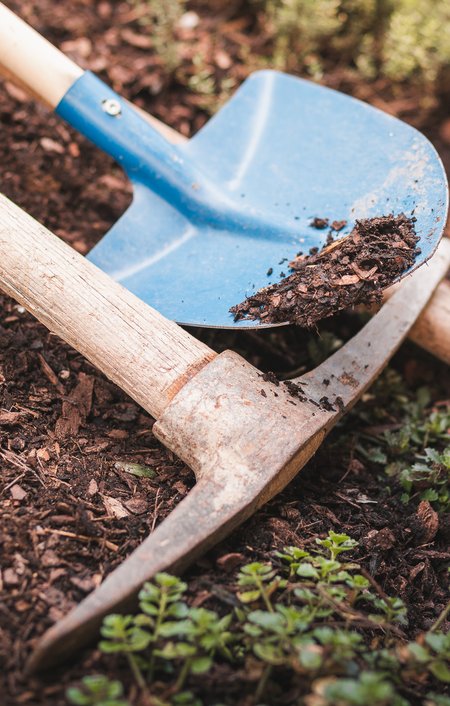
84, 480
309, 620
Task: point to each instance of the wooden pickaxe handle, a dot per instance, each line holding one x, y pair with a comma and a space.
244, 446
147, 355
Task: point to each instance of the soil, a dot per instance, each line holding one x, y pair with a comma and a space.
350, 271
72, 507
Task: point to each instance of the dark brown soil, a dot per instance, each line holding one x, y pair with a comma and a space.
70, 508
346, 272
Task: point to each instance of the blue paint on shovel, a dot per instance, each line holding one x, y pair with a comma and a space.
212, 216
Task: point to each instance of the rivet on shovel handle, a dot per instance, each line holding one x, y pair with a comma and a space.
212, 216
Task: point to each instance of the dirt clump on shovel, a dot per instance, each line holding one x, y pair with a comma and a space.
349, 271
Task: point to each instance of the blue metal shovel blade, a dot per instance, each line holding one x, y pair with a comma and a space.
210, 219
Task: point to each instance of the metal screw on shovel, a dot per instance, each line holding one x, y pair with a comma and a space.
111, 107
213, 215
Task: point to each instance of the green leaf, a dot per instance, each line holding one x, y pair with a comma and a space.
176, 650
135, 469
77, 697
269, 653
418, 652
185, 698
441, 671
437, 641
96, 690
249, 596
272, 622
176, 628
311, 656
200, 665
307, 571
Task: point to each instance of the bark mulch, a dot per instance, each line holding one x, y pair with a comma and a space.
72, 506
346, 272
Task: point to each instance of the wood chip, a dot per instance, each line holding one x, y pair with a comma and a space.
93, 487
137, 505
50, 374
75, 408
114, 507
50, 145
429, 520
17, 492
9, 418
10, 578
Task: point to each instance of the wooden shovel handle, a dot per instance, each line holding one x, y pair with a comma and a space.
45, 72
148, 356
32, 61
41, 68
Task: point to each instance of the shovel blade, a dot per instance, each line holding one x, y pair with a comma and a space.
283, 151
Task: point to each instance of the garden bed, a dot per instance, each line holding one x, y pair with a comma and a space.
84, 480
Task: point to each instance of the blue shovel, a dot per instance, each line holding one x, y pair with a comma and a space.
219, 216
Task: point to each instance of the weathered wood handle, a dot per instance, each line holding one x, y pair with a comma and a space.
432, 329
245, 438
148, 356
33, 61
36, 64
45, 72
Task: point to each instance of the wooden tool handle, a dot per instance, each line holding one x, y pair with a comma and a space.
432, 329
32, 61
36, 64
148, 356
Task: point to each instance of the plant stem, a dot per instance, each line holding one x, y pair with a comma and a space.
440, 619
263, 682
264, 595
159, 618
182, 676
140, 681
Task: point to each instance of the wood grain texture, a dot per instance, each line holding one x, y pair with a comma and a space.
432, 329
42, 69
245, 439
145, 354
36, 63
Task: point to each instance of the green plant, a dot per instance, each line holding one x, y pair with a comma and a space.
337, 543
369, 688
260, 581
430, 477
97, 690
162, 17
198, 639
433, 652
399, 40
306, 615
401, 430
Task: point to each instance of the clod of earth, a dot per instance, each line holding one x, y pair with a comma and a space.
349, 271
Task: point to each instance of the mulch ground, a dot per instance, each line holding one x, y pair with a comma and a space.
344, 273
70, 509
